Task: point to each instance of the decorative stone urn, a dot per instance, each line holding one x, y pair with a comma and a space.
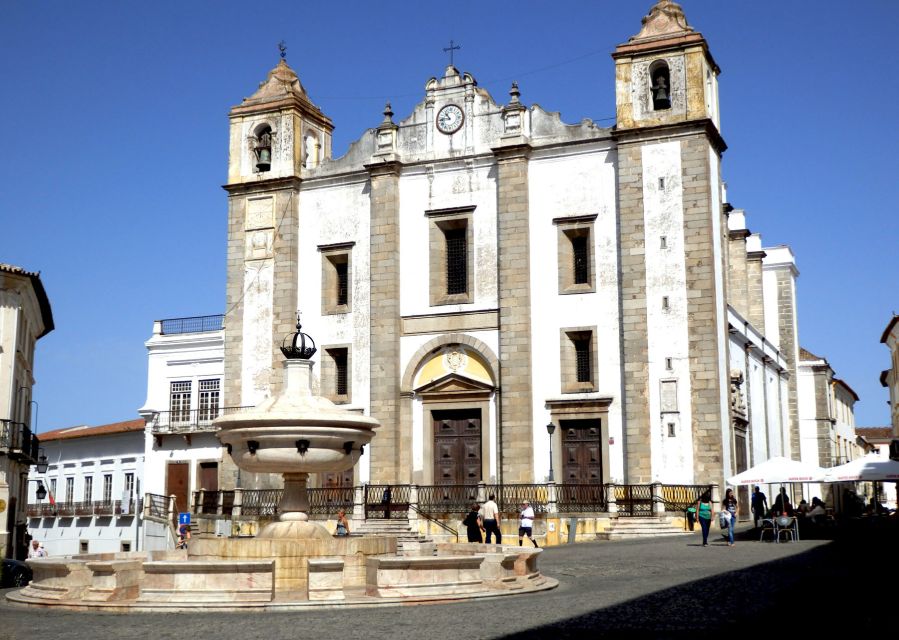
295, 433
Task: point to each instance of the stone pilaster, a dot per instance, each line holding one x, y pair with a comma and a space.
385, 324
513, 260
634, 339
737, 274
788, 345
704, 304
755, 303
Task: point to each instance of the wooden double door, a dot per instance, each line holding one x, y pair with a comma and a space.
581, 451
457, 446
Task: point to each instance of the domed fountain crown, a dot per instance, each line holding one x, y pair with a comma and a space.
289, 346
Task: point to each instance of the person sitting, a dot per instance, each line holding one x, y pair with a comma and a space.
782, 504
803, 507
817, 513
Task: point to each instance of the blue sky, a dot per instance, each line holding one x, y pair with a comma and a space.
117, 140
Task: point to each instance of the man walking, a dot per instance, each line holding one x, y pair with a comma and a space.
526, 523
759, 505
491, 519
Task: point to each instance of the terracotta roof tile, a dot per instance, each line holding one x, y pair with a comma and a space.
876, 433
85, 431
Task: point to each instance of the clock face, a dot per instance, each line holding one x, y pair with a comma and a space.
449, 119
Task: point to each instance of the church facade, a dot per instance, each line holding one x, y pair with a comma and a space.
477, 271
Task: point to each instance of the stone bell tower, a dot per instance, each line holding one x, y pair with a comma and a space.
277, 134
673, 326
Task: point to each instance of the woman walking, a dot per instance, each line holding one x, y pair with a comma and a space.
729, 504
473, 525
704, 514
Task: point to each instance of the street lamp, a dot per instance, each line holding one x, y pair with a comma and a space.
42, 462
41, 492
550, 429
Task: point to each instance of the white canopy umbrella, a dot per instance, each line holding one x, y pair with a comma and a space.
778, 470
871, 468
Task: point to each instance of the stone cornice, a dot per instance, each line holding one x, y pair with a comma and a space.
391, 167
644, 134
738, 234
517, 148
261, 186
755, 255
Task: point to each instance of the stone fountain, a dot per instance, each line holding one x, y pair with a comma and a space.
296, 433
293, 563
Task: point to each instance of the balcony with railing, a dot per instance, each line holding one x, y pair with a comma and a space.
189, 421
17, 441
85, 509
195, 324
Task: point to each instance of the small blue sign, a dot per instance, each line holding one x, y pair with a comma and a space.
183, 518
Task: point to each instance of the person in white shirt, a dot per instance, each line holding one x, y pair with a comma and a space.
490, 517
36, 550
526, 523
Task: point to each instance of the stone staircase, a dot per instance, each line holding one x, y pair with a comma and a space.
623, 528
406, 538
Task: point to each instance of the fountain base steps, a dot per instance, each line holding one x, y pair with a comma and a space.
407, 539
627, 528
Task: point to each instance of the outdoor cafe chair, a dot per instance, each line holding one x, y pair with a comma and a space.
786, 526
768, 525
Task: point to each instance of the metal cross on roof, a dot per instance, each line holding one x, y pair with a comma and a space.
453, 47
282, 47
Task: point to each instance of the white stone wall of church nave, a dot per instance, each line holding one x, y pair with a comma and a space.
579, 182
757, 407
333, 214
256, 345
808, 424
784, 407
720, 306
442, 186
409, 346
776, 394
667, 337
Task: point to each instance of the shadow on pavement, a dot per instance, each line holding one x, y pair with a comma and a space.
831, 588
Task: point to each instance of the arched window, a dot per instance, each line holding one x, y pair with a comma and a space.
660, 87
262, 147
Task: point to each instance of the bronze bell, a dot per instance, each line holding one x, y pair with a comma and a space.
660, 93
263, 158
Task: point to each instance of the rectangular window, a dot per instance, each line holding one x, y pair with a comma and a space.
451, 255
671, 432
669, 365
83, 546
179, 402
582, 354
88, 494
129, 485
53, 493
107, 488
456, 262
336, 378
578, 360
209, 400
70, 490
669, 396
126, 546
575, 248
581, 260
337, 277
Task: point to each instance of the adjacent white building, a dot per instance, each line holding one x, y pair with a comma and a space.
184, 381
94, 482
25, 317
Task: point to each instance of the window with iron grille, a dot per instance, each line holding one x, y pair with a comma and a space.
581, 260
88, 494
107, 487
179, 402
583, 359
342, 269
209, 399
340, 387
456, 261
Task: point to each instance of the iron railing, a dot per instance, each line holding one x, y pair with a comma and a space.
678, 497
328, 500
190, 420
17, 441
581, 498
82, 509
382, 500
261, 502
448, 498
634, 500
157, 506
509, 497
439, 523
196, 324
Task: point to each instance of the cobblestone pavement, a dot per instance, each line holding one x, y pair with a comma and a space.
660, 588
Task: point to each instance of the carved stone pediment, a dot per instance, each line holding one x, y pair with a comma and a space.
454, 384
664, 19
